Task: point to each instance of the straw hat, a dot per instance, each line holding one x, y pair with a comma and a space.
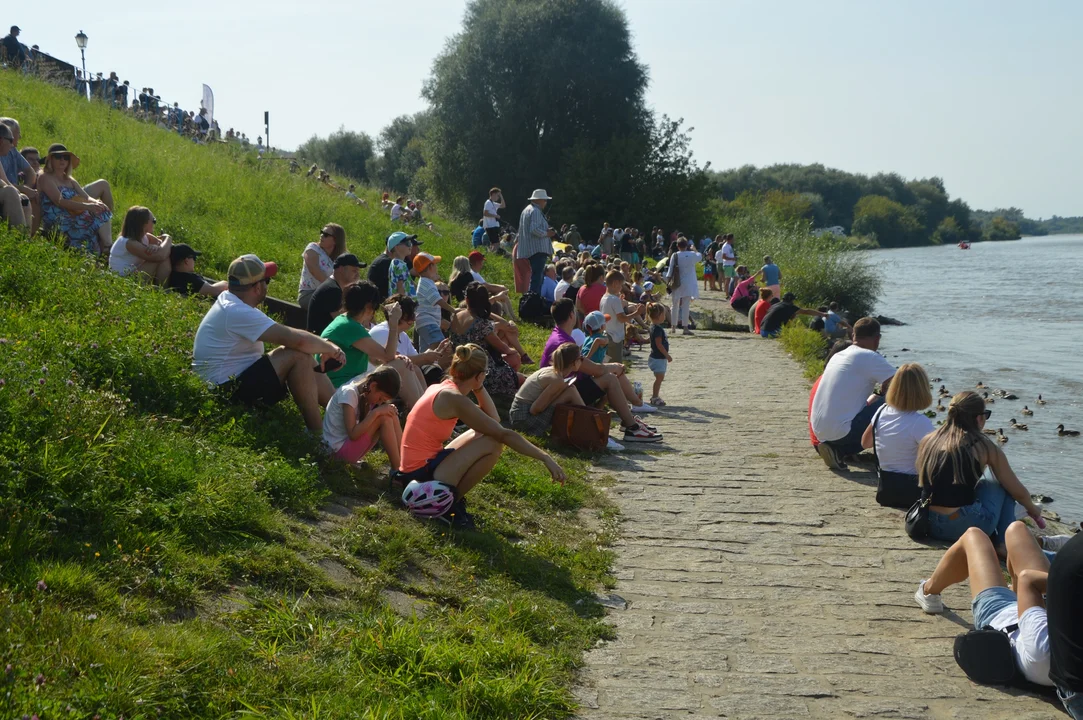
539, 194
58, 149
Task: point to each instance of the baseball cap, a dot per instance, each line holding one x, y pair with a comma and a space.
648, 286
349, 260
249, 270
789, 297
423, 260
182, 251
595, 320
475, 255
397, 238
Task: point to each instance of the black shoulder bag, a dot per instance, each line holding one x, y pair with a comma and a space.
986, 656
893, 489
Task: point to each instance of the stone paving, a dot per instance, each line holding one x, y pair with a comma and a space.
761, 584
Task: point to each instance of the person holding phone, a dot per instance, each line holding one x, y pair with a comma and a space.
229, 353
490, 219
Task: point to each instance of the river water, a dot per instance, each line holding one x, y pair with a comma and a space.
1007, 314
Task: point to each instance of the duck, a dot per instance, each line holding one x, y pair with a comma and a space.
980, 385
1027, 411
988, 400
940, 406
944, 392
1066, 433
1001, 437
987, 431
1040, 401
1018, 426
1008, 395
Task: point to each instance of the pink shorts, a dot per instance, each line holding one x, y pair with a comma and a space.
353, 450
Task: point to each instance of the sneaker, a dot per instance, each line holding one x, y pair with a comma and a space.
459, 518
687, 332
1054, 543
831, 458
658, 402
641, 423
931, 604
613, 445
641, 434
644, 409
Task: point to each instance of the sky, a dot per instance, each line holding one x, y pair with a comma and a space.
984, 94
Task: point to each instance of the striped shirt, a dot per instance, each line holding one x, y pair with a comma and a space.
533, 233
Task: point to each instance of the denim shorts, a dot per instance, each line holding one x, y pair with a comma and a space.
657, 365
428, 336
989, 603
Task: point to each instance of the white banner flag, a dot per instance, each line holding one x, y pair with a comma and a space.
208, 102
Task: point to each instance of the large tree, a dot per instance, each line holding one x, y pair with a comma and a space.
400, 144
342, 151
519, 87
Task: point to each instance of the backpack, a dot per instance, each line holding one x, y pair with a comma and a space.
532, 308
986, 656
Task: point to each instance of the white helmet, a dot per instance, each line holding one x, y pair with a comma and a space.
428, 499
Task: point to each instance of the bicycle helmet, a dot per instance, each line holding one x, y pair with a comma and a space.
428, 499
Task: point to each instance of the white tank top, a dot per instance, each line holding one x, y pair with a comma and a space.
121, 261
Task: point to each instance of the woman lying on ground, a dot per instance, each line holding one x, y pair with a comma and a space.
475, 324
532, 408
950, 465
360, 413
350, 332
68, 209
464, 461
900, 425
139, 250
993, 604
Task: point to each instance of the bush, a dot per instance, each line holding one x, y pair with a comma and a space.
807, 347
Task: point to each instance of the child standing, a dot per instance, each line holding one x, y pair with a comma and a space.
659, 359
616, 316
430, 302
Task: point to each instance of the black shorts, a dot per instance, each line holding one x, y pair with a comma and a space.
257, 383
494, 235
425, 472
588, 389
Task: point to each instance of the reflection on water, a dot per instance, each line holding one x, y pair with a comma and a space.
1007, 315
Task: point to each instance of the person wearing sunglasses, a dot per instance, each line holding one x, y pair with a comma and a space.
68, 210
951, 464
229, 353
319, 261
139, 250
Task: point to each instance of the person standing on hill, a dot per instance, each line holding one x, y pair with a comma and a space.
491, 216
535, 243
727, 265
15, 50
772, 275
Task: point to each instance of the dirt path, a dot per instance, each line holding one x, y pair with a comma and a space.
760, 583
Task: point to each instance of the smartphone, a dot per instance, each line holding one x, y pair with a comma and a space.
329, 366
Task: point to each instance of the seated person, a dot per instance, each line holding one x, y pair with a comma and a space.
537, 398
138, 250
834, 326
463, 462
781, 313
549, 284
994, 605
498, 293
1064, 607
817, 323
844, 402
360, 413
228, 349
594, 347
900, 424
567, 274
68, 209
326, 302
759, 311
349, 331
12, 209
413, 382
743, 294
474, 324
184, 279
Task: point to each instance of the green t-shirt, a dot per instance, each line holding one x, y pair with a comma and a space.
344, 332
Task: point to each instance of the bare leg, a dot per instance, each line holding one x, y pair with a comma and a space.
509, 333
1023, 552
971, 556
35, 209
475, 455
658, 378
100, 190
390, 434
159, 271
105, 237
295, 369
613, 391
410, 389
11, 206
629, 390
28, 213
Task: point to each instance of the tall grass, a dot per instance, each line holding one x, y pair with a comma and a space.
163, 553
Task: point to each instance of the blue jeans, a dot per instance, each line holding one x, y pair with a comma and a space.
851, 443
537, 271
993, 511
1073, 702
428, 336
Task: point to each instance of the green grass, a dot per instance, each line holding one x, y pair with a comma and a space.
807, 347
165, 554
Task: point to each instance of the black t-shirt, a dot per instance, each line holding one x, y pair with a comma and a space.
379, 270
1064, 610
458, 285
657, 331
326, 301
778, 316
185, 283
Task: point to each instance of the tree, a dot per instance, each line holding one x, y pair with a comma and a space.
522, 84
343, 151
892, 223
401, 153
1000, 228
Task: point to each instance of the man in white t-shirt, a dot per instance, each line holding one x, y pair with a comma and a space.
727, 269
491, 217
1021, 614
396, 210
228, 350
844, 403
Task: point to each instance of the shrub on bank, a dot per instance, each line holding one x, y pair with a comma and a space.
806, 346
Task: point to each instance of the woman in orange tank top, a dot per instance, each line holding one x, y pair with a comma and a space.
469, 457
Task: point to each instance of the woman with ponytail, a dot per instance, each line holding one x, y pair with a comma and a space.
950, 465
464, 461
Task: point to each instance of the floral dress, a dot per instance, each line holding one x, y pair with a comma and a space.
80, 230
500, 378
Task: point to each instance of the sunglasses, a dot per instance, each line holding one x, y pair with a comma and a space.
445, 293
324, 233
266, 281
62, 157
987, 413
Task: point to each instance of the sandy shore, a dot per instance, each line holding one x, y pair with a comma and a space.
761, 584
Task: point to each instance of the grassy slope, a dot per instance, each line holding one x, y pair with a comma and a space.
190, 565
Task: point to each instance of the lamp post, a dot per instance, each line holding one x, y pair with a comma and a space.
80, 40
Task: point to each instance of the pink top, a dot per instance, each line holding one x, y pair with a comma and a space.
741, 290
425, 433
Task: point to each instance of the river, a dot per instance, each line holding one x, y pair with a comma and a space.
1006, 314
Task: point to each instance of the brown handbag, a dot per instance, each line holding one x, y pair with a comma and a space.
582, 427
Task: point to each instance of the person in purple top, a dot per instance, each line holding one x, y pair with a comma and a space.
597, 381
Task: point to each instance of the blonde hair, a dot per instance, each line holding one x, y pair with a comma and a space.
565, 356
959, 441
459, 266
469, 361
909, 389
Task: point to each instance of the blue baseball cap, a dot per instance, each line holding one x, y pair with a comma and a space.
397, 238
595, 321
